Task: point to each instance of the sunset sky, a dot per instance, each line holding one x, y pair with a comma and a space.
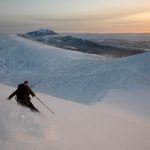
98, 16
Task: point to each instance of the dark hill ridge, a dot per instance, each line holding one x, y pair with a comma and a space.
41, 32
72, 43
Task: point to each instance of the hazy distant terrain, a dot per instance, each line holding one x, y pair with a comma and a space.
89, 45
125, 40
115, 36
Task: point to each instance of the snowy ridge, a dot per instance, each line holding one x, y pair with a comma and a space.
70, 75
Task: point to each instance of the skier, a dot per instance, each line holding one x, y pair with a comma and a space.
23, 93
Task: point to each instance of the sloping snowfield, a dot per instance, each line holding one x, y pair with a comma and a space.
74, 126
117, 116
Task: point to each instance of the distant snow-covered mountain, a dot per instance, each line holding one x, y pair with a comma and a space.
73, 43
40, 32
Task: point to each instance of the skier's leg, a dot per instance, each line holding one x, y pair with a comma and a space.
31, 106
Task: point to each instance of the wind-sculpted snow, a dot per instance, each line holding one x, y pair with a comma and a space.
67, 74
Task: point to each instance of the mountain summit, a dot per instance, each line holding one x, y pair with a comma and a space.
41, 32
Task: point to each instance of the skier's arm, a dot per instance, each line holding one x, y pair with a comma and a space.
12, 95
31, 92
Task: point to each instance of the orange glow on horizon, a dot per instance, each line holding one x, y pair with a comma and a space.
96, 16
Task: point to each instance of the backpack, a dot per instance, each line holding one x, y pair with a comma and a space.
21, 92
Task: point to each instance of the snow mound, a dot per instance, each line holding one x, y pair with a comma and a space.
70, 75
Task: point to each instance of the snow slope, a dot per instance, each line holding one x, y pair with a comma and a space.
75, 126
119, 120
70, 75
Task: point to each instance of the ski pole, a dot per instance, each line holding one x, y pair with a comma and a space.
45, 106
32, 85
